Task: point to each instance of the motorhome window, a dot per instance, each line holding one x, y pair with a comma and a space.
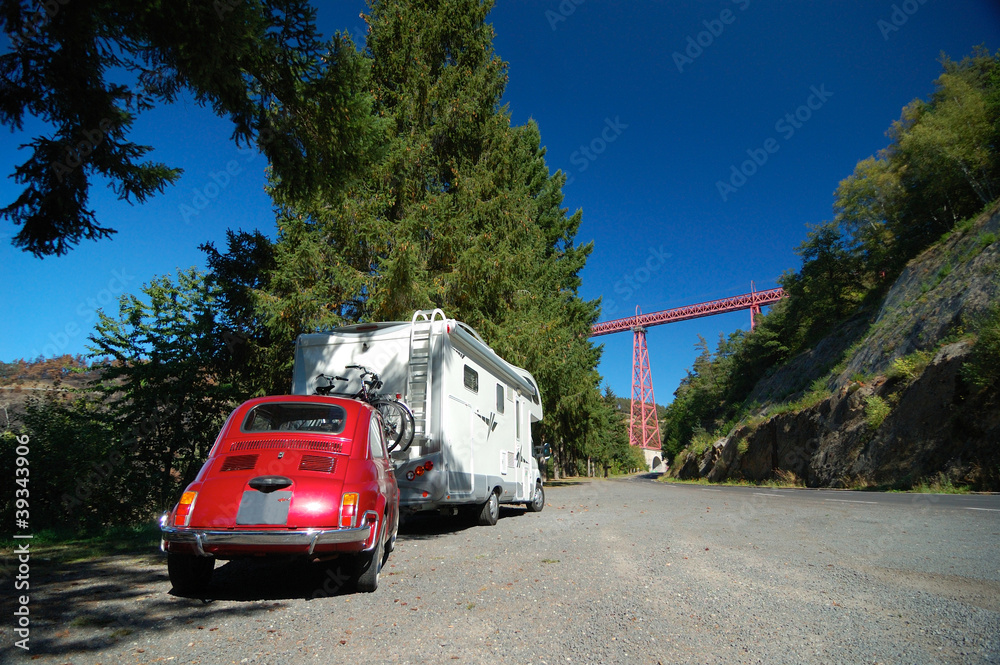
517, 417
499, 398
471, 379
295, 417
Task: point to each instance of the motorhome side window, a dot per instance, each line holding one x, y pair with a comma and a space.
499, 398
471, 379
517, 417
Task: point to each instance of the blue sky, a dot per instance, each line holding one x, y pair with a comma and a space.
648, 106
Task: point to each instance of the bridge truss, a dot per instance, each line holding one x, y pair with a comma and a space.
644, 428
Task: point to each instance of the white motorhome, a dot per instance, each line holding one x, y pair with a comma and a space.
472, 409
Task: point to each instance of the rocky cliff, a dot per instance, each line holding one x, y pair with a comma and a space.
896, 408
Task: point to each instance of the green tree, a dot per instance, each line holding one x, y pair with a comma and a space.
255, 362
458, 210
161, 385
259, 62
867, 207
72, 483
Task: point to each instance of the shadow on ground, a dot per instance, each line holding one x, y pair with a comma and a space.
429, 525
566, 482
86, 606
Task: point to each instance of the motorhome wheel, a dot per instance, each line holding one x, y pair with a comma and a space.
490, 511
537, 500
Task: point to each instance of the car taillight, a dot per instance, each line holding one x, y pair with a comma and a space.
349, 509
183, 513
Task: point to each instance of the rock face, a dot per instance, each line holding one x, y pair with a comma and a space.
877, 430
936, 426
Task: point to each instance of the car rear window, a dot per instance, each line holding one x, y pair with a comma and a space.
295, 417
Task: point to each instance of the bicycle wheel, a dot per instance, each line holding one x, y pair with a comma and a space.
398, 421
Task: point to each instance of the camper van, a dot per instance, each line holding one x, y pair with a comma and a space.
472, 410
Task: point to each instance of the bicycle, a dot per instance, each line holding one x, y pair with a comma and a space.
397, 419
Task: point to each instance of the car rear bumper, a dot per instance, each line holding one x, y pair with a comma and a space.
206, 542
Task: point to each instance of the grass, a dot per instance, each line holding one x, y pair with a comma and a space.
62, 548
817, 392
940, 484
984, 241
784, 479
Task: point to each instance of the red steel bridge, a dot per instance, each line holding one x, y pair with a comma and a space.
644, 429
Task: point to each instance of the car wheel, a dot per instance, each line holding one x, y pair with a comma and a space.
371, 568
489, 512
189, 573
537, 500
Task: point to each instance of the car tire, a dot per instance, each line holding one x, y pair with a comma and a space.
537, 500
489, 512
188, 573
371, 568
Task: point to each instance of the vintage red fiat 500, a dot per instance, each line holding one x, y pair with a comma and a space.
288, 475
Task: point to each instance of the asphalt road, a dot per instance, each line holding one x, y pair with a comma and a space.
621, 571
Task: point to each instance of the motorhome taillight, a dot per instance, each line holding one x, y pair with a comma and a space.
410, 475
419, 471
183, 513
349, 509
428, 465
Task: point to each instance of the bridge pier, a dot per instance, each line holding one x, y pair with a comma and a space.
654, 460
643, 428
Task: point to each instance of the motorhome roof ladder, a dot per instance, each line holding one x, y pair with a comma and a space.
419, 380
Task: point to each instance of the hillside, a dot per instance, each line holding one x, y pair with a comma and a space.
23, 380
887, 398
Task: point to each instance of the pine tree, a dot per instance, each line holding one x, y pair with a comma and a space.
458, 210
260, 63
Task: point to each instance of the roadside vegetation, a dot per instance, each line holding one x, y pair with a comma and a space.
52, 548
939, 171
783, 479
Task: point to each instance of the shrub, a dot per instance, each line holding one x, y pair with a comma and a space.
983, 369
876, 411
909, 367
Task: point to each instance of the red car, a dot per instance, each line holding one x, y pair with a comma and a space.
288, 475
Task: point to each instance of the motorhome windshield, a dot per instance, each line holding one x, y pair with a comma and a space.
295, 417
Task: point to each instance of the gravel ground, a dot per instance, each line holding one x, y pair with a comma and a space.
620, 571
